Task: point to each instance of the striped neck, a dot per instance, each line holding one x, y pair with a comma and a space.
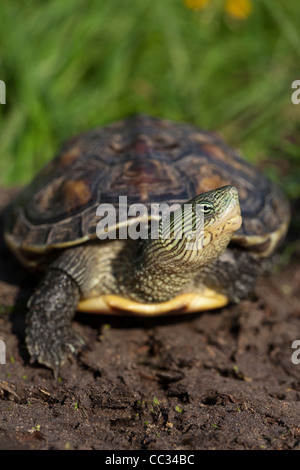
160, 274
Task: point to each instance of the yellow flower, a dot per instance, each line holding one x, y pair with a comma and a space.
196, 4
239, 9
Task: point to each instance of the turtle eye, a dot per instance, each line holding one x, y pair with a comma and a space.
205, 208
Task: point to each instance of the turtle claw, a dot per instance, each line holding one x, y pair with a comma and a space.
52, 351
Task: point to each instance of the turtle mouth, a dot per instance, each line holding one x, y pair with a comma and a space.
231, 219
235, 222
225, 228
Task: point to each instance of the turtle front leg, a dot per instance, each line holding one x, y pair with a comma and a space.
233, 274
49, 337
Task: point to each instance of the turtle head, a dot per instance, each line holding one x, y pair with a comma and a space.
199, 231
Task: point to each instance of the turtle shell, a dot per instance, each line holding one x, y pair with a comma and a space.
149, 160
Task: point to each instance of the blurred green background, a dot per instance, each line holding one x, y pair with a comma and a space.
223, 65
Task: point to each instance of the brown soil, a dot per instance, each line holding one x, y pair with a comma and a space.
220, 380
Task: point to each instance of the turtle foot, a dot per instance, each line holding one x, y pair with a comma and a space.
55, 348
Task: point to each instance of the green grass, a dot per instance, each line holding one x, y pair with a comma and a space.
72, 65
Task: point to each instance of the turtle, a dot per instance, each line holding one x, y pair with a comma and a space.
54, 228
